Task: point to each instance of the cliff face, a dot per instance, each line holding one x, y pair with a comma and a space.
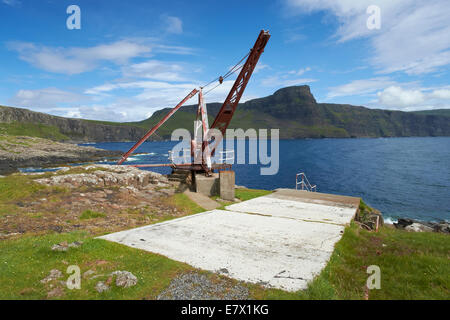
293, 110
73, 129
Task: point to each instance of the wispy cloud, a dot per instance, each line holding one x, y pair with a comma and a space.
12, 3
76, 60
414, 37
261, 66
45, 98
300, 72
172, 24
360, 87
287, 78
155, 69
276, 81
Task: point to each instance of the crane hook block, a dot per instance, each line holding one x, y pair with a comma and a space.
220, 79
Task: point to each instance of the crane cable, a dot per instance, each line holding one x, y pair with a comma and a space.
234, 69
223, 78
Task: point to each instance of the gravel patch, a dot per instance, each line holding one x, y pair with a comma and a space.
194, 286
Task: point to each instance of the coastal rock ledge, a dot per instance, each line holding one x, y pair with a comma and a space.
19, 152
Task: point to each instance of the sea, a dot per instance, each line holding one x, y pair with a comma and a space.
401, 177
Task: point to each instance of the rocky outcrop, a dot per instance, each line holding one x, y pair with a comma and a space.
95, 198
105, 176
420, 226
20, 152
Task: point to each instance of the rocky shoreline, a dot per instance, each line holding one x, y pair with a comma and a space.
20, 152
422, 226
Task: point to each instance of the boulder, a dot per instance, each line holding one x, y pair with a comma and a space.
402, 223
53, 275
101, 287
125, 279
418, 227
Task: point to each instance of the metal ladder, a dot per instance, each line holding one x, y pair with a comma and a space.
304, 183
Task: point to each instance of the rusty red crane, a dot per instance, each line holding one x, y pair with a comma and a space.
223, 118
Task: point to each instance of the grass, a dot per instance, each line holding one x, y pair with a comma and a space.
413, 266
18, 188
184, 204
32, 130
21, 273
247, 194
15, 187
89, 214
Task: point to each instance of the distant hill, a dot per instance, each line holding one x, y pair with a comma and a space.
296, 113
23, 122
293, 110
436, 112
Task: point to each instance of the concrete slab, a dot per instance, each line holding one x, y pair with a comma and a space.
295, 209
276, 252
282, 240
317, 197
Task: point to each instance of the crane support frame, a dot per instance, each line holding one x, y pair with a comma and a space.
226, 112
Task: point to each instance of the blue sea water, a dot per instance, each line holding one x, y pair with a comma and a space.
402, 177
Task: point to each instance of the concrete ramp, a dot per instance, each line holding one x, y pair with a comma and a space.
281, 240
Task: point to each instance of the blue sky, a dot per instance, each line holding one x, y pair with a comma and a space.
131, 58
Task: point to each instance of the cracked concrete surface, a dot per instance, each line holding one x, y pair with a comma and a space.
274, 241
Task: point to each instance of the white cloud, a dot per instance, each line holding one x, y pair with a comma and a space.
359, 87
441, 94
44, 98
301, 71
396, 97
414, 37
173, 24
261, 66
179, 50
154, 69
77, 60
153, 85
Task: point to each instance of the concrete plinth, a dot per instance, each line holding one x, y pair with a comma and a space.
227, 181
209, 186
